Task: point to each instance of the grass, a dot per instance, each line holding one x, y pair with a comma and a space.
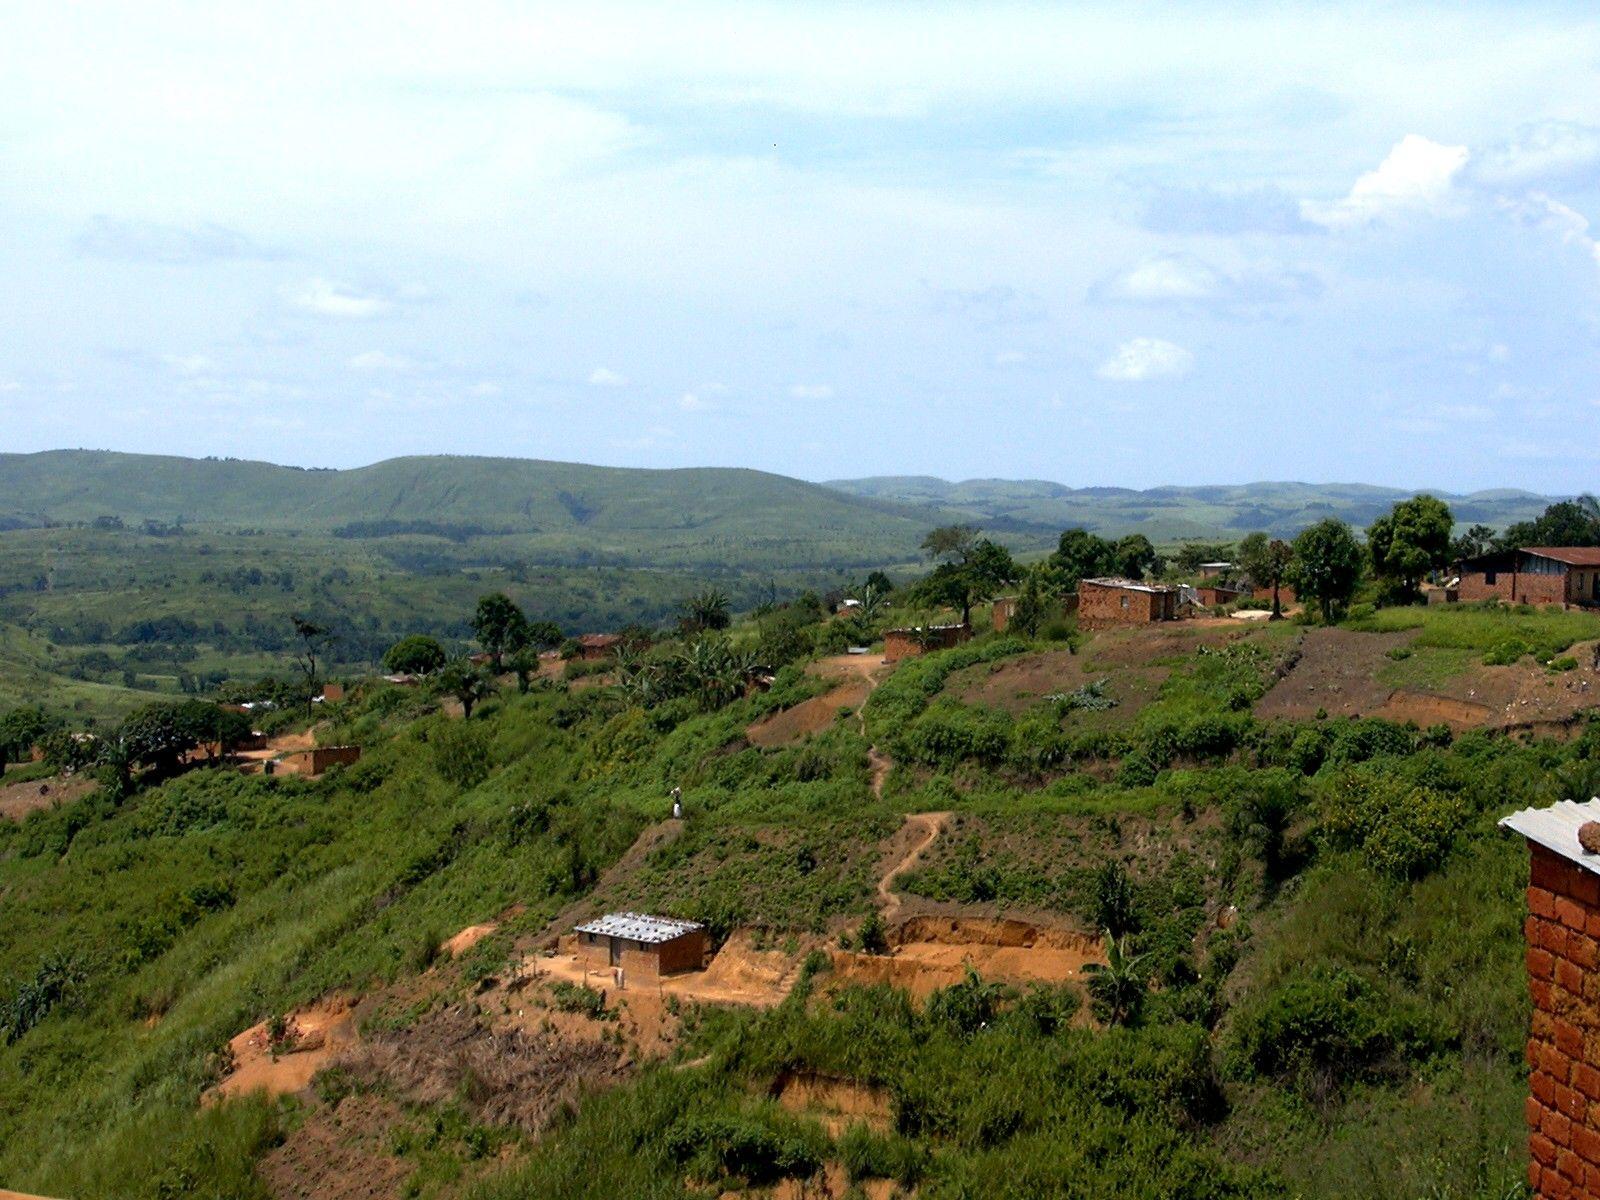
1482, 628
1428, 667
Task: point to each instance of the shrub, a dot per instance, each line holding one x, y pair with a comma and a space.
580, 998
461, 753
966, 1007
1401, 829
1137, 770
713, 1148
1506, 651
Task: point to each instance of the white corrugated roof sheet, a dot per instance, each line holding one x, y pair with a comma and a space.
1132, 585
638, 927
1556, 829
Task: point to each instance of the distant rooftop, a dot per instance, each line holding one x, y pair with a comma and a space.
1556, 829
637, 927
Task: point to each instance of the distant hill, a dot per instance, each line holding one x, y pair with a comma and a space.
705, 514
1170, 514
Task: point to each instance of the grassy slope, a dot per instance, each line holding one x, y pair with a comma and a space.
349, 879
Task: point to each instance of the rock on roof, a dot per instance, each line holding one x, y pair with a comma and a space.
1133, 585
1556, 829
638, 927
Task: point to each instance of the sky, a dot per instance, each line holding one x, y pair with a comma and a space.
1129, 245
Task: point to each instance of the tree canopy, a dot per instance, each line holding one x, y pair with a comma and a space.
1082, 555
417, 654
1565, 523
1268, 562
499, 625
1327, 565
1412, 539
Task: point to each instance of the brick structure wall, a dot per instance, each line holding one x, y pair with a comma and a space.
1563, 954
1004, 609
1101, 606
645, 963
324, 757
1514, 587
1212, 596
903, 643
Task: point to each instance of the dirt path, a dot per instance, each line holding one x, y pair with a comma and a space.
929, 826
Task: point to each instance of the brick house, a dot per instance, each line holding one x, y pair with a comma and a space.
593, 646
908, 643
1104, 603
1212, 595
1562, 931
1534, 575
645, 947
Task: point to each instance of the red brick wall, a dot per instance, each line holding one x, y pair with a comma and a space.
902, 643
324, 757
1514, 587
1100, 606
1563, 954
1004, 609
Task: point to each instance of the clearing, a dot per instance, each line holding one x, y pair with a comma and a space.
927, 953
855, 674
17, 800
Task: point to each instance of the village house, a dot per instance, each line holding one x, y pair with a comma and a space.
1210, 570
1562, 575
1103, 603
644, 947
1212, 595
908, 643
1562, 932
594, 646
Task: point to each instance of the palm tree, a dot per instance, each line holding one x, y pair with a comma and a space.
706, 610
1117, 987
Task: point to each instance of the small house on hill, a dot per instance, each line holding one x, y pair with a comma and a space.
1562, 575
1104, 603
643, 946
592, 646
1210, 570
908, 643
1211, 595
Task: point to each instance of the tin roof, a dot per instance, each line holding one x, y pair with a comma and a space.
1575, 556
1556, 829
1132, 585
637, 927
599, 639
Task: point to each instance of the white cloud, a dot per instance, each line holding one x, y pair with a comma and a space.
1417, 176
1545, 212
1182, 279
329, 299
1542, 152
1010, 358
693, 403
811, 391
378, 360
10, 385
486, 388
1144, 358
606, 377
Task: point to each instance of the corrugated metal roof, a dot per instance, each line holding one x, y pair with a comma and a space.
1575, 556
1132, 585
1556, 829
637, 927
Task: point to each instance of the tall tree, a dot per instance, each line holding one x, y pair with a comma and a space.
1327, 564
952, 543
1478, 540
1135, 556
987, 568
416, 654
1267, 562
314, 638
463, 680
1081, 555
1412, 539
499, 625
1566, 523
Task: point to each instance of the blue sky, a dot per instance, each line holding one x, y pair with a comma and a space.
1130, 245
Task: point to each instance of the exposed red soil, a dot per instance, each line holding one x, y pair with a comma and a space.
17, 800
468, 938
340, 1153
857, 674
313, 1037
927, 953
907, 846
1336, 673
835, 1102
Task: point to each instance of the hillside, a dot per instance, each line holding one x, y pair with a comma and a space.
1169, 514
906, 870
615, 509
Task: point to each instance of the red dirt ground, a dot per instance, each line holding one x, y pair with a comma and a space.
933, 952
17, 800
1336, 673
857, 674
316, 1034
340, 1153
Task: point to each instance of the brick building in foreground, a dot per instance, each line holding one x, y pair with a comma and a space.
1563, 954
908, 643
1104, 603
1534, 575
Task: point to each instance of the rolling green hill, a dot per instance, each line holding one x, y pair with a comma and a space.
1170, 514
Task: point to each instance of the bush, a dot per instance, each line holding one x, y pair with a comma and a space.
461, 753
712, 1149
1137, 770
1324, 1027
1506, 651
1400, 828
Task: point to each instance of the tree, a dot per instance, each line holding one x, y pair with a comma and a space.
314, 638
499, 625
1081, 555
959, 585
706, 611
524, 664
1565, 523
461, 679
1412, 539
1327, 564
416, 654
544, 635
879, 582
1268, 563
1135, 555
1476, 541
952, 543
1117, 987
